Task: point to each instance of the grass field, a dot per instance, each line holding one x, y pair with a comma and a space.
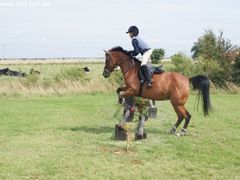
52, 130
45, 84
71, 137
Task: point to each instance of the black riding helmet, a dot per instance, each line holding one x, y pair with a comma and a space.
134, 30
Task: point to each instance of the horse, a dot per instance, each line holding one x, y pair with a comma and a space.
9, 72
33, 71
86, 69
4, 71
171, 86
16, 73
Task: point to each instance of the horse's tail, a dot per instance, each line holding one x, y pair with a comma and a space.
201, 83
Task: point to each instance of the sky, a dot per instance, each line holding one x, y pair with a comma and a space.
83, 28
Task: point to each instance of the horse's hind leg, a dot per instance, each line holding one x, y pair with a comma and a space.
187, 120
174, 128
182, 113
180, 118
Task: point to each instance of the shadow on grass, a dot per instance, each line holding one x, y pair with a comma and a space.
155, 131
93, 130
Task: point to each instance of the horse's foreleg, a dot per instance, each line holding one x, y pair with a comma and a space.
120, 98
121, 89
125, 117
126, 93
140, 131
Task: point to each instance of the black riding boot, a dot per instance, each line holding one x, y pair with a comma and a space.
146, 75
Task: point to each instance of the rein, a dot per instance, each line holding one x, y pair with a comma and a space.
130, 66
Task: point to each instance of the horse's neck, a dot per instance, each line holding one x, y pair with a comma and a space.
127, 64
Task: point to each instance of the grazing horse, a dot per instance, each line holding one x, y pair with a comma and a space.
171, 86
4, 71
33, 71
86, 69
9, 72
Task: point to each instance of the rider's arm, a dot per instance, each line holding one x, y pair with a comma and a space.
136, 50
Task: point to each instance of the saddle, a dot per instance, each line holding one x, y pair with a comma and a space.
151, 70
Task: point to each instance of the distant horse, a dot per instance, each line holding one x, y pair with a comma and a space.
16, 73
5, 71
86, 69
9, 72
171, 86
33, 71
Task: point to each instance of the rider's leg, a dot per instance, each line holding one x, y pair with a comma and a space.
146, 74
145, 59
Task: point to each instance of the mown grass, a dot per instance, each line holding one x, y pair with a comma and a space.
71, 137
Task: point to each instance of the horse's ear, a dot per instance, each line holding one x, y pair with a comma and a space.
106, 52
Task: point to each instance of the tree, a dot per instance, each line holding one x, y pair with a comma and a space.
157, 55
205, 46
236, 70
219, 49
183, 64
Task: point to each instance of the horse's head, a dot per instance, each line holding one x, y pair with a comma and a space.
110, 64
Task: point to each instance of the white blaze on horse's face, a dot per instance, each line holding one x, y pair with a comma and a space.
109, 64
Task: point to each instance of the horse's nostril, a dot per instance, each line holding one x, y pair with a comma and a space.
106, 73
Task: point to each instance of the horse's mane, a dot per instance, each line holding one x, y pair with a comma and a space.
120, 49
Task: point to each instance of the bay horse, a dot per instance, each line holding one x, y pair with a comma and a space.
171, 86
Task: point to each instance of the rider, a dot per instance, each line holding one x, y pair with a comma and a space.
141, 47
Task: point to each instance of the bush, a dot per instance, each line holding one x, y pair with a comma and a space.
210, 47
30, 80
73, 74
201, 66
157, 55
116, 78
211, 69
183, 64
236, 71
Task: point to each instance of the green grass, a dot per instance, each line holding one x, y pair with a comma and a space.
51, 80
49, 70
71, 137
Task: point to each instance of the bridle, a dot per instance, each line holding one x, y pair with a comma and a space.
130, 65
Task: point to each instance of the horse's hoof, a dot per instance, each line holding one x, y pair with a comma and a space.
120, 100
183, 132
139, 137
121, 125
178, 134
172, 131
121, 94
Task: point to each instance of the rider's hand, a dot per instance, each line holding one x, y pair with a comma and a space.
129, 53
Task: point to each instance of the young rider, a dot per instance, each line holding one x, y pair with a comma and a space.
141, 47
